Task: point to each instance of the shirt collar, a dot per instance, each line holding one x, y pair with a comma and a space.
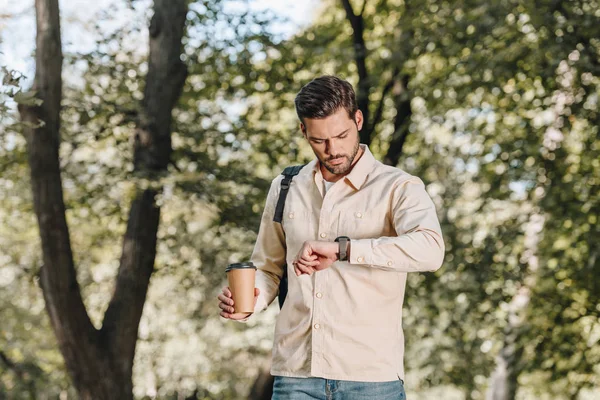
360, 171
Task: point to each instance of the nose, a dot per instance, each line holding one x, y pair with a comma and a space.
330, 148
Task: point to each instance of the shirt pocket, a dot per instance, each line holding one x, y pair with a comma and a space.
363, 224
298, 227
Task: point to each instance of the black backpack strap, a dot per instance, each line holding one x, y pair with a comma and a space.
283, 287
288, 174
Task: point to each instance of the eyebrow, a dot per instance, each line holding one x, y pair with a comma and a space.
341, 134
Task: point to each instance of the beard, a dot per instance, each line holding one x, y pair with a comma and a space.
344, 167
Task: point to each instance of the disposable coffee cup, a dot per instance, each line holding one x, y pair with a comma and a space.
241, 278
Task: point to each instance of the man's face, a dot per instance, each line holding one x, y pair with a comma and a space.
334, 139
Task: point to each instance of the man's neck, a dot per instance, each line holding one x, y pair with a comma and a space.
329, 177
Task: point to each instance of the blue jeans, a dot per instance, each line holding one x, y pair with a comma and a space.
286, 388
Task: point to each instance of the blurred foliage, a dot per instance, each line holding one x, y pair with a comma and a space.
504, 131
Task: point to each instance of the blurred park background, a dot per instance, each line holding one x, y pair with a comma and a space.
494, 103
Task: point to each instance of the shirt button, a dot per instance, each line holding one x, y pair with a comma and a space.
291, 215
360, 259
317, 326
323, 235
359, 215
390, 263
319, 295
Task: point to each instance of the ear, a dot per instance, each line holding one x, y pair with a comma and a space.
359, 119
303, 129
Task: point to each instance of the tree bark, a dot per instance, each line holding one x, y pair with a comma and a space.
402, 101
360, 57
152, 154
100, 362
379, 110
77, 337
27, 373
503, 382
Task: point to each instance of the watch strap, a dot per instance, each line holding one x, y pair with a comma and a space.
343, 244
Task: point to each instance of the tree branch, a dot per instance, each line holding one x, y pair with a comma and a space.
11, 364
384, 92
27, 372
349, 11
362, 11
401, 123
360, 57
152, 152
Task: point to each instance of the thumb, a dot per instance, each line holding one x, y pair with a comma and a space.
256, 293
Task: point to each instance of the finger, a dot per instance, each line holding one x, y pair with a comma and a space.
307, 251
308, 257
256, 294
296, 269
309, 263
224, 299
225, 315
303, 268
306, 269
226, 307
226, 291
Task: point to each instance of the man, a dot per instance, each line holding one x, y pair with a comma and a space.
339, 334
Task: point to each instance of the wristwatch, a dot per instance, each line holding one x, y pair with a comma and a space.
343, 241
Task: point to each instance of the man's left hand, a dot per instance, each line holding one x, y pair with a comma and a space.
315, 256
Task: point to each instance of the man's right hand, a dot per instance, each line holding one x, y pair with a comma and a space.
226, 304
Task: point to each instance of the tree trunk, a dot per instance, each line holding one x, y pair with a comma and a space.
152, 152
77, 337
503, 385
402, 100
99, 362
504, 379
360, 57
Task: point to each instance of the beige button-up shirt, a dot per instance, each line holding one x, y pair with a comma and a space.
345, 322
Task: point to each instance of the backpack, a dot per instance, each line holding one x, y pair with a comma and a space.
288, 174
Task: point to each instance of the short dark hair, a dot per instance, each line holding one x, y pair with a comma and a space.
324, 96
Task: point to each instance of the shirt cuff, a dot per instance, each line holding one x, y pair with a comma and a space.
361, 251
